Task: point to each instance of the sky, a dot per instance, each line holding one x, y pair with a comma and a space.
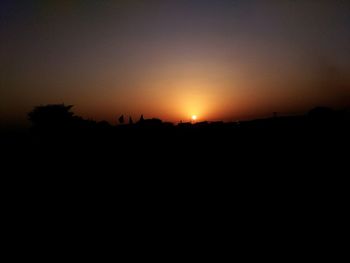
217, 59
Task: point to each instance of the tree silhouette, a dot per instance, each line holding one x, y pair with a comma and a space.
121, 119
55, 115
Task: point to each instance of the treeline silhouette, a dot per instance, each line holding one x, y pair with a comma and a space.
320, 133
262, 165
59, 117
59, 121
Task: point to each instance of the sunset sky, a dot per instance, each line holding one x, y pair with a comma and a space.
171, 59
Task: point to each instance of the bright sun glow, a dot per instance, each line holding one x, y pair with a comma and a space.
194, 117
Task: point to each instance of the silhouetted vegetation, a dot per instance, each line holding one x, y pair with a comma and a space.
60, 116
56, 127
54, 116
121, 119
283, 155
60, 120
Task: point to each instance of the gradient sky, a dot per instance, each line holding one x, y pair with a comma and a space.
218, 59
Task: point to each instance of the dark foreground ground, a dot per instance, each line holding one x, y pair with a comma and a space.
308, 148
281, 178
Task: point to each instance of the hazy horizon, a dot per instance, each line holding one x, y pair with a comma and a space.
219, 60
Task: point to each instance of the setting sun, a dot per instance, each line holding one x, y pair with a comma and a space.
194, 117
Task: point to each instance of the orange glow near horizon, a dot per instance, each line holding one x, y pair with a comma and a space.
191, 96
